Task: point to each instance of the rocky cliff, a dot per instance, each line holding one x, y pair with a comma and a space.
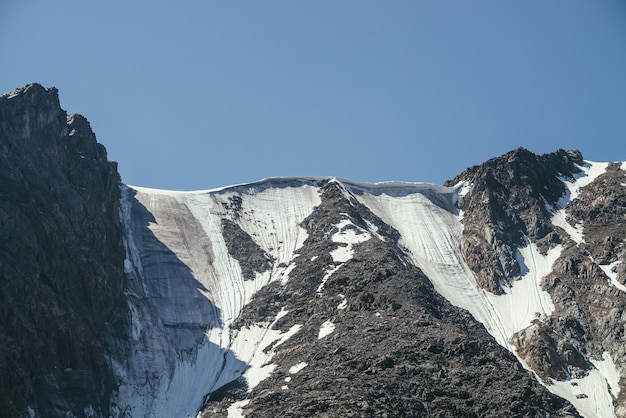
501, 293
576, 209
61, 258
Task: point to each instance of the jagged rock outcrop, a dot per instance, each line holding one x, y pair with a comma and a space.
505, 206
61, 258
521, 198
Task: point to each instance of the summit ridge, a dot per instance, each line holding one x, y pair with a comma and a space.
501, 292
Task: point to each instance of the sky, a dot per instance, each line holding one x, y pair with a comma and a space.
201, 94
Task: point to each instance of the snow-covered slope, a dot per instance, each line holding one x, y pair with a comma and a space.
432, 232
305, 296
188, 285
187, 288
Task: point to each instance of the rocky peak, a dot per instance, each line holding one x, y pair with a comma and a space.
506, 206
551, 200
61, 257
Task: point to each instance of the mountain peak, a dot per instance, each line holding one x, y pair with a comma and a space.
34, 93
263, 299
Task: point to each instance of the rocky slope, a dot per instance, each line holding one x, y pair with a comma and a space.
61, 258
499, 294
560, 202
375, 338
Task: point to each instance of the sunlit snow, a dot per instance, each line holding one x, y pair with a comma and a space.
609, 270
524, 300
589, 172
348, 234
235, 410
295, 369
431, 230
591, 395
251, 344
271, 212
344, 302
327, 328
185, 238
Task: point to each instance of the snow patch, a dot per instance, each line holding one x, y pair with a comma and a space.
284, 275
344, 302
590, 395
295, 369
236, 409
607, 368
348, 237
373, 229
348, 234
327, 328
281, 314
589, 172
559, 218
329, 273
250, 344
612, 275
524, 300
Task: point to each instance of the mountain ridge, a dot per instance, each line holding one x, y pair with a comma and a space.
314, 295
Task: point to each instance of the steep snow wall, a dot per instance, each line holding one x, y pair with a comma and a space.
186, 288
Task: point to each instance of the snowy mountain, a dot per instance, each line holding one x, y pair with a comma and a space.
498, 294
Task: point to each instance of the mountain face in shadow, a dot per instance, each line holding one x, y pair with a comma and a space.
61, 257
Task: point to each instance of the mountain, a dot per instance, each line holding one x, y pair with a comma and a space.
61, 258
500, 293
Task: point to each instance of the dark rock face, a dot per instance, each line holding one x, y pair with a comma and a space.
506, 205
61, 258
242, 248
398, 348
590, 313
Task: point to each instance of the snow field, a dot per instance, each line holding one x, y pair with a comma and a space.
271, 216
524, 300
433, 237
431, 233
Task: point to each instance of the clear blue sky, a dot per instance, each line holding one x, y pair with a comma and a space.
200, 94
